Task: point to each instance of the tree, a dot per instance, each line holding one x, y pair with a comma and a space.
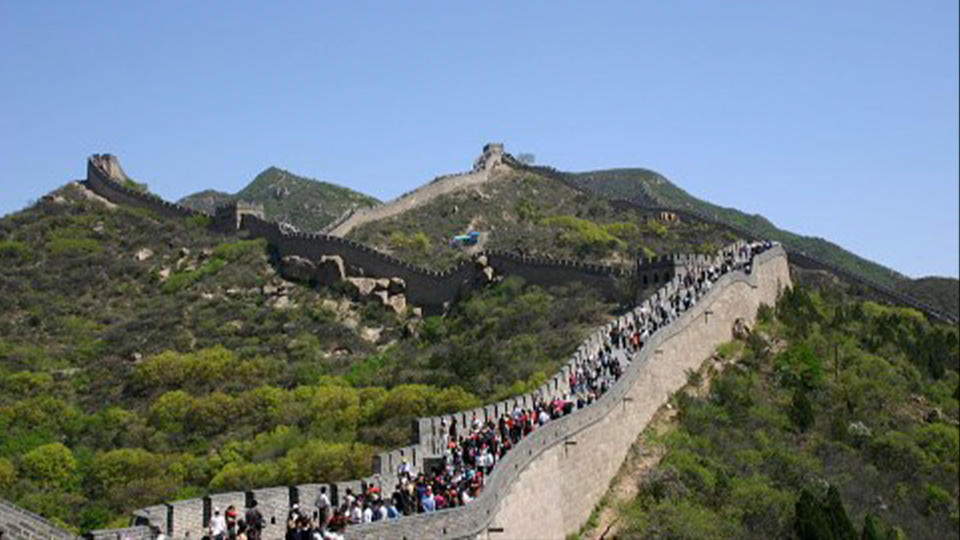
801, 410
50, 465
822, 519
526, 158
8, 475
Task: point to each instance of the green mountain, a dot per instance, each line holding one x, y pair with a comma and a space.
303, 202
649, 188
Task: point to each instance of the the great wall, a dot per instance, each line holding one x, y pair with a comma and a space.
544, 488
797, 257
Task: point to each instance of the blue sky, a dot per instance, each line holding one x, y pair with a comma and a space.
834, 119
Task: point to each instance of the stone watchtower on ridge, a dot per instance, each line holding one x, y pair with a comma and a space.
227, 218
491, 157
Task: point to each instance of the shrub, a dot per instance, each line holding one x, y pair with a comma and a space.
72, 246
584, 236
801, 410
232, 251
50, 465
14, 250
198, 221
8, 475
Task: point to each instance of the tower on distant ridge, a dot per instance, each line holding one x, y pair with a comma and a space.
491, 157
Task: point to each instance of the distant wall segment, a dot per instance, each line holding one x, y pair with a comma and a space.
424, 287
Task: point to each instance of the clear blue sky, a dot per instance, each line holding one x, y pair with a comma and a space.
836, 119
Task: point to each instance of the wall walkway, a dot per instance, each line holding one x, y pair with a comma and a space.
547, 486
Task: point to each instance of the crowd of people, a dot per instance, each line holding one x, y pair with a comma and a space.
472, 451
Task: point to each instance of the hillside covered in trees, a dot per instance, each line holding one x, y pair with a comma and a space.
145, 359
836, 418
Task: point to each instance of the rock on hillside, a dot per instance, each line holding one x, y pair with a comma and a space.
306, 203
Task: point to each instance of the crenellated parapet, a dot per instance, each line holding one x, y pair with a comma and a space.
106, 178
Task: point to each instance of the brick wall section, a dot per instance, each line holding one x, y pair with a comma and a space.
546, 488
20, 524
417, 197
187, 516
100, 181
425, 287
130, 533
538, 471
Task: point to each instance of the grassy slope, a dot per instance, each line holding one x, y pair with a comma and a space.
881, 427
527, 212
306, 203
163, 388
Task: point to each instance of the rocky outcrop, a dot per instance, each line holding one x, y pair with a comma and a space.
331, 270
387, 292
298, 268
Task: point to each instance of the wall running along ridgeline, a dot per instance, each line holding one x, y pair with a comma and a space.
431, 289
797, 257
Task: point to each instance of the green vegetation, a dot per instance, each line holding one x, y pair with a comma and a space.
649, 188
500, 340
136, 186
839, 420
307, 204
417, 242
940, 293
534, 215
155, 366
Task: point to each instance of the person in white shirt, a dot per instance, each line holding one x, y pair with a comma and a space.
218, 525
323, 506
356, 514
367, 514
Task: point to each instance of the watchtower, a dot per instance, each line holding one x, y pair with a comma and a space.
491, 157
655, 271
227, 218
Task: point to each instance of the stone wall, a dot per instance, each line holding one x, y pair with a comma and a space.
102, 178
19, 524
484, 169
547, 486
541, 474
427, 288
